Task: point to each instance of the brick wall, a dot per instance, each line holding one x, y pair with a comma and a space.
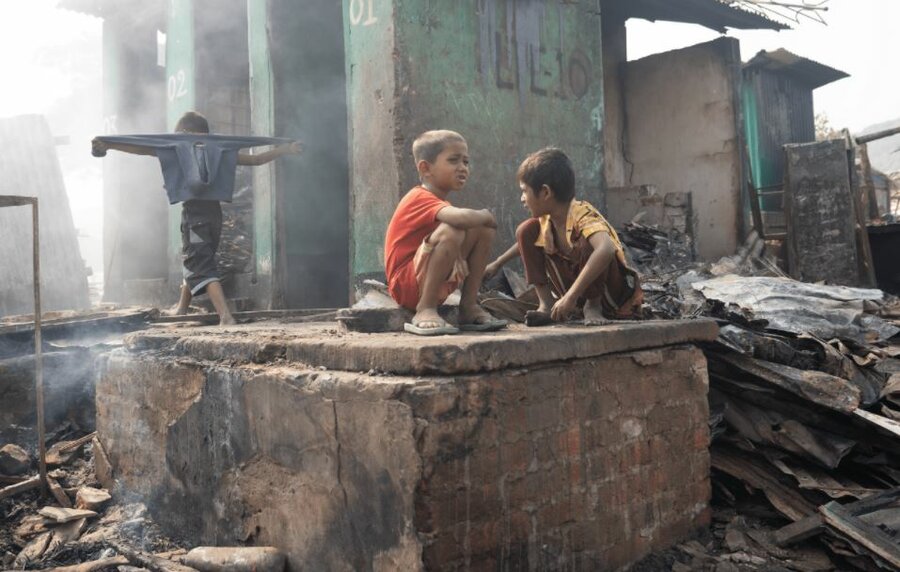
586, 465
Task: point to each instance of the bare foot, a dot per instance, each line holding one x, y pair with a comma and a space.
474, 315
176, 311
477, 319
593, 314
226, 320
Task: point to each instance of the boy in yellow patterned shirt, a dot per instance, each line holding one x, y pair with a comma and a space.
572, 255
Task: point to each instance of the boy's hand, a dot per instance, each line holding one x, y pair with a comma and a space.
563, 308
98, 148
292, 148
489, 220
491, 270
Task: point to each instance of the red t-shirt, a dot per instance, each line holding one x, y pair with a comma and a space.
414, 219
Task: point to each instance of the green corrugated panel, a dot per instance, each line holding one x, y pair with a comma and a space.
751, 130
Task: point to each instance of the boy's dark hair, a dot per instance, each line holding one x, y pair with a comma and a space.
551, 167
429, 145
192, 122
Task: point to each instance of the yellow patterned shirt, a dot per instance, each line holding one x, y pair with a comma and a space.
583, 220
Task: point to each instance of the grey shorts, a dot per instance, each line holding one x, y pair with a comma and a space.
201, 229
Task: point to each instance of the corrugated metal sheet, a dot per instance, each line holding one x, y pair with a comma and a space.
778, 109
804, 71
784, 114
29, 166
713, 14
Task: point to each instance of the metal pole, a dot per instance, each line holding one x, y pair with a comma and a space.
878, 135
38, 356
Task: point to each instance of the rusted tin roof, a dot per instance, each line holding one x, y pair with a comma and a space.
804, 70
718, 15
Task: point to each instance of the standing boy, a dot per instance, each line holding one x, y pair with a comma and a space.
432, 247
572, 256
199, 170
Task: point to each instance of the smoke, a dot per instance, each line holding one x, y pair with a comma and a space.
53, 68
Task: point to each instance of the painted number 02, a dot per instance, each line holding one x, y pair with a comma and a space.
175, 87
360, 8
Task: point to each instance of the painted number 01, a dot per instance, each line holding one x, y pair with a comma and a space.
175, 87
360, 8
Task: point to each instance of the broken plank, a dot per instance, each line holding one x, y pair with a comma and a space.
76, 443
58, 493
873, 502
33, 550
93, 566
798, 531
64, 515
817, 387
32, 483
882, 424
148, 561
786, 500
867, 536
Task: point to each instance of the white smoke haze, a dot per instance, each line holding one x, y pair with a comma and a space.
52, 66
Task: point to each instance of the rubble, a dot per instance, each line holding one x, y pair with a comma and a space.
803, 409
40, 532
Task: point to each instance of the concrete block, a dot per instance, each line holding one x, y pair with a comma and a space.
340, 469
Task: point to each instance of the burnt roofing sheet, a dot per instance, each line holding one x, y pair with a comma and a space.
805, 70
717, 15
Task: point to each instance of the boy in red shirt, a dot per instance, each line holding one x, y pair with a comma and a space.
432, 247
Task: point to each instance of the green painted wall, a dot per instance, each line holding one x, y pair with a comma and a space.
371, 101
262, 123
180, 97
512, 77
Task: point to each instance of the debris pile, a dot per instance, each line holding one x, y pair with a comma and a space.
74, 525
738, 540
804, 397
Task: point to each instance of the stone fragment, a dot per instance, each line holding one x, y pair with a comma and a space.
235, 559
14, 460
726, 566
735, 540
64, 515
89, 498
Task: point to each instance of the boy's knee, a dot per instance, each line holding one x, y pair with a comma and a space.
448, 236
528, 231
484, 232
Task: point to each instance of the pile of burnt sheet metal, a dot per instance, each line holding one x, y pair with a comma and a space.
804, 395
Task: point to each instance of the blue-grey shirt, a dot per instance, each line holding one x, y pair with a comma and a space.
196, 166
